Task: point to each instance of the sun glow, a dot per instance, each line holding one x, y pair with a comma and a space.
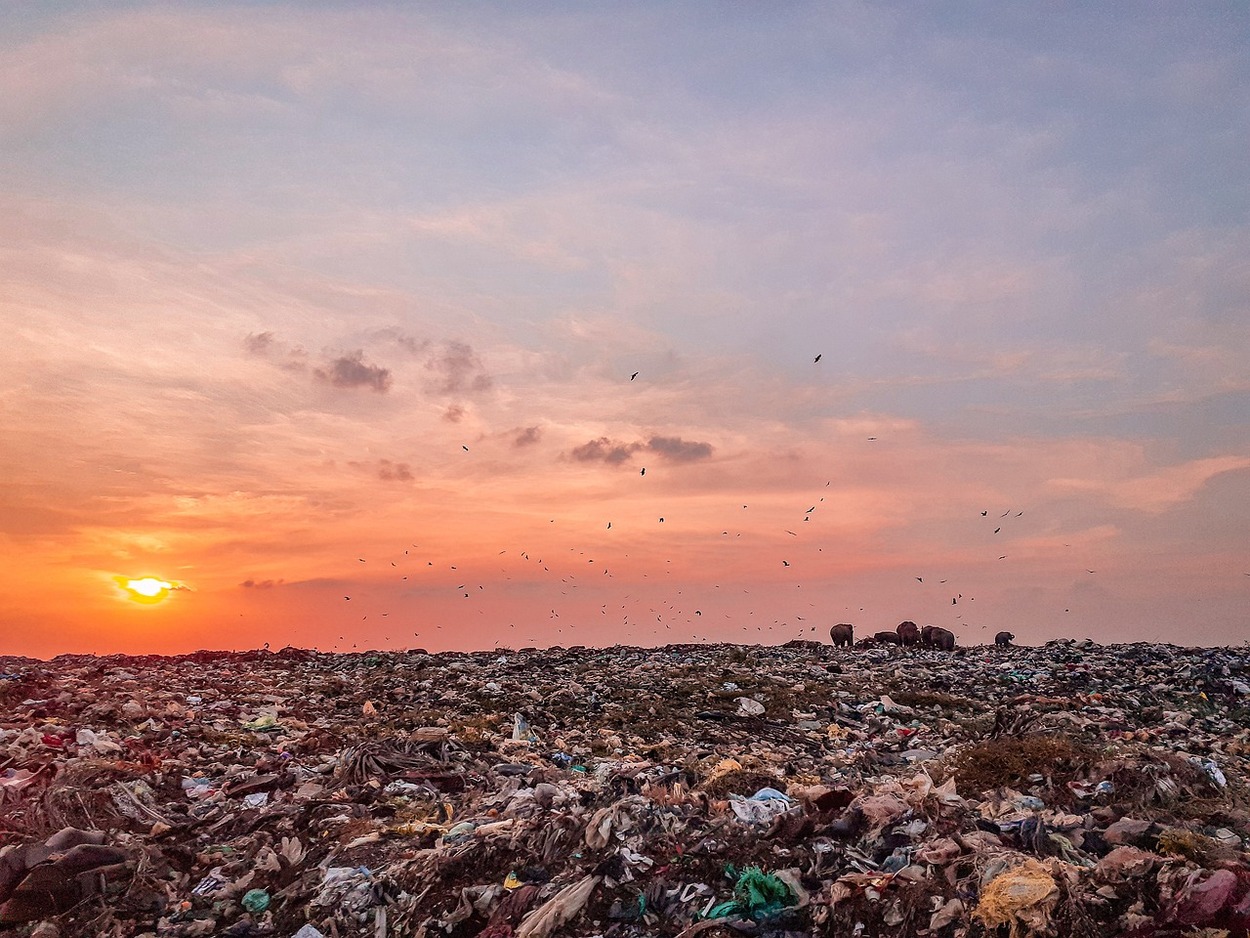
147, 589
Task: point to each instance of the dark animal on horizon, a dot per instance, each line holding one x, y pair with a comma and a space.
1003, 638
932, 636
887, 638
908, 632
842, 635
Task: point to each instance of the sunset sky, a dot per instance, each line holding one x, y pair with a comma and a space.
308, 302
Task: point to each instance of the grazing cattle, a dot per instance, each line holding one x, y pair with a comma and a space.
908, 633
943, 639
887, 638
842, 635
1003, 638
926, 636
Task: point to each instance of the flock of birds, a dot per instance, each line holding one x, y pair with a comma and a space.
654, 614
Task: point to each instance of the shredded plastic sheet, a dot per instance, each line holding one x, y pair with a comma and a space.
1022, 898
557, 910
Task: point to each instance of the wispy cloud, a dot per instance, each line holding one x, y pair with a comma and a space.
1157, 490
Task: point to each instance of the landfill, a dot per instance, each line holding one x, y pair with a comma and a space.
1070, 789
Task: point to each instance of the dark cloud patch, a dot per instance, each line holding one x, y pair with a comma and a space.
527, 436
268, 345
259, 343
615, 452
320, 583
454, 414
679, 450
394, 471
352, 371
604, 450
458, 370
296, 360
261, 584
385, 469
411, 344
408, 343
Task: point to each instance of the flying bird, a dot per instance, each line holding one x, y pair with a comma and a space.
633, 376
817, 358
463, 447
643, 471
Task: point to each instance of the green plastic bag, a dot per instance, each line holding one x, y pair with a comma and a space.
256, 901
761, 894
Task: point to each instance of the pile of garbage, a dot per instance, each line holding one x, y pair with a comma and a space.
1071, 789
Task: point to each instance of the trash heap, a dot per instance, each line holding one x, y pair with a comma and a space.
1071, 789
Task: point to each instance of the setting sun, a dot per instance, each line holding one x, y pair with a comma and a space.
147, 589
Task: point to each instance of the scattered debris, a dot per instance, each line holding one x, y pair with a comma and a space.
1071, 789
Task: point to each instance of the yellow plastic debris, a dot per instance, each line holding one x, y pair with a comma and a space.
1022, 898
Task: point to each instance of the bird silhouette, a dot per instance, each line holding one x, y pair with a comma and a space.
817, 358
633, 376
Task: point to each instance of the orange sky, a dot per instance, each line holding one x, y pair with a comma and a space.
349, 305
